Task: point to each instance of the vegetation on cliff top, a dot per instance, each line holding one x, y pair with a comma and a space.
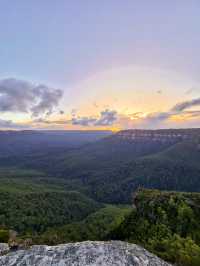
166, 223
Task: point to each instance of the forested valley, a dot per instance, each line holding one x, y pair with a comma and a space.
136, 186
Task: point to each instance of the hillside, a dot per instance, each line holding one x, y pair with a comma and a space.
111, 168
175, 168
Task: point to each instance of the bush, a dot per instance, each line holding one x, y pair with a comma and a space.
4, 236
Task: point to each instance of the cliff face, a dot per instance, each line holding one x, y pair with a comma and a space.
82, 254
162, 135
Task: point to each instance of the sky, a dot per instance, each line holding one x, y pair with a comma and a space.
106, 64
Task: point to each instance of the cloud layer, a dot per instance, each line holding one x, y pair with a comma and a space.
9, 124
40, 101
141, 120
24, 97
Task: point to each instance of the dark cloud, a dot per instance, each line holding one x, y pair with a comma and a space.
179, 108
185, 105
22, 96
107, 118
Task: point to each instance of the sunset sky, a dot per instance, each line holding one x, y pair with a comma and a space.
93, 64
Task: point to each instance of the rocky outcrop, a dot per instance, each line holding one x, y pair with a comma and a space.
4, 248
81, 254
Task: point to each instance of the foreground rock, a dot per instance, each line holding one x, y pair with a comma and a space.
81, 254
4, 248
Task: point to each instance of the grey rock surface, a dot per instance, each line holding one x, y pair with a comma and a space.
4, 248
83, 254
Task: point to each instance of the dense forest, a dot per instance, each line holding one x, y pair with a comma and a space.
107, 169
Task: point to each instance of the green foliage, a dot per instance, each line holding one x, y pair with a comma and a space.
4, 236
182, 251
35, 212
166, 223
95, 227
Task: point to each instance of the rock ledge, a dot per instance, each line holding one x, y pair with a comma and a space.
113, 253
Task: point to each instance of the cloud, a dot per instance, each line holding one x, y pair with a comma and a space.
73, 112
193, 113
83, 121
178, 109
24, 97
193, 90
107, 118
9, 124
158, 116
185, 105
50, 122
